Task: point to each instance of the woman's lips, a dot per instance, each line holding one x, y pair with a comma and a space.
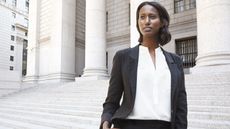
147, 29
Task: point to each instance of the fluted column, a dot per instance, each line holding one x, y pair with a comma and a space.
95, 40
213, 21
33, 51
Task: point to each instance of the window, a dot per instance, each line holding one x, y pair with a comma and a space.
14, 3
12, 27
192, 4
179, 5
187, 50
107, 21
26, 33
12, 38
11, 47
106, 60
24, 57
129, 14
26, 21
11, 58
27, 4
4, 1
13, 15
182, 5
11, 68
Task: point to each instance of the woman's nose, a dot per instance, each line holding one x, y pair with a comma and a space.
147, 21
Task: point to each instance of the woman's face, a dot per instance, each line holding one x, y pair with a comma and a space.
149, 21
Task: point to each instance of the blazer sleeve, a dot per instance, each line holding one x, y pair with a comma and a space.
112, 101
181, 105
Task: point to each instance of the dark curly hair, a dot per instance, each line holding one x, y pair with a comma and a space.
164, 35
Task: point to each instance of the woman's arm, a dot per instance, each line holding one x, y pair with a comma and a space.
181, 105
112, 102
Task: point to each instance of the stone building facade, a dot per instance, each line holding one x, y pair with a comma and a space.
69, 39
13, 40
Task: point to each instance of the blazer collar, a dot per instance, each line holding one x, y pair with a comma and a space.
135, 53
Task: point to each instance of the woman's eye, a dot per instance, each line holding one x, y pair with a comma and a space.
152, 17
142, 17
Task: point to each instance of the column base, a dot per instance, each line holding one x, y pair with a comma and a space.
77, 79
94, 74
30, 79
214, 58
50, 78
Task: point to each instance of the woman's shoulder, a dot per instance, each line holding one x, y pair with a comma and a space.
124, 51
175, 57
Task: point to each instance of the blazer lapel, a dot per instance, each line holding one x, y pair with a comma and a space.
133, 62
174, 71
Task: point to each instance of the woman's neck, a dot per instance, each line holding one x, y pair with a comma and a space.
150, 43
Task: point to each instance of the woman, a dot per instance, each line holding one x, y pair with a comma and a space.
149, 79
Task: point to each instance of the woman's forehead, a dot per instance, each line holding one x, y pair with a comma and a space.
148, 9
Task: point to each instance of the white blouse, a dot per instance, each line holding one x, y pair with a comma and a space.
153, 91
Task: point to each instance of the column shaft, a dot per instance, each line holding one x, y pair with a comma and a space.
95, 46
33, 33
213, 21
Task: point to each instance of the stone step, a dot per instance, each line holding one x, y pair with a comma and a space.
210, 89
52, 106
208, 93
208, 78
7, 92
205, 84
47, 111
208, 124
209, 86
209, 116
209, 103
57, 123
60, 102
213, 98
68, 103
195, 128
14, 124
199, 108
61, 99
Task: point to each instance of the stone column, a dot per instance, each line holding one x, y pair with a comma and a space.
95, 40
62, 43
133, 29
33, 51
213, 21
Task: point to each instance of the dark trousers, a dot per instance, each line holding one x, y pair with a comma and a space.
142, 124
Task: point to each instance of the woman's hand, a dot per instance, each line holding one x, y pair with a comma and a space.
106, 125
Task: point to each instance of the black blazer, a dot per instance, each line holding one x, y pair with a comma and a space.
123, 83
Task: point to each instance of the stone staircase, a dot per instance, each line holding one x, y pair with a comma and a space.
10, 87
78, 105
208, 100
